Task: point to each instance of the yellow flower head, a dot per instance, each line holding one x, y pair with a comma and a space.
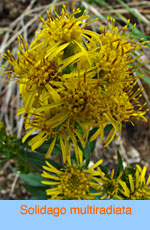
116, 54
83, 100
138, 188
109, 186
55, 47
64, 28
71, 182
34, 68
125, 104
121, 104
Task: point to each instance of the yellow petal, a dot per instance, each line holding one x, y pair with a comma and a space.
50, 182
49, 176
96, 164
64, 152
53, 170
50, 148
143, 175
47, 107
53, 93
38, 143
110, 137
95, 135
27, 135
131, 183
126, 191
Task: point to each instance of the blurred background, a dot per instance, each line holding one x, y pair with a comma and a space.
21, 17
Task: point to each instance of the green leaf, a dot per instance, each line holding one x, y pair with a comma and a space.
146, 79
38, 193
33, 179
108, 128
92, 143
104, 169
45, 146
90, 146
4, 159
86, 152
38, 160
103, 3
19, 142
33, 185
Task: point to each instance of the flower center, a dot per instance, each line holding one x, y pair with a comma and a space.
83, 100
74, 183
43, 73
110, 188
142, 193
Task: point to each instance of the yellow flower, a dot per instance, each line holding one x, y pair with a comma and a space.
53, 49
64, 29
109, 186
84, 100
71, 182
138, 188
116, 54
67, 114
126, 105
122, 106
38, 69
34, 68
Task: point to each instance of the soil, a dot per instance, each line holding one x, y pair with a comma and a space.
10, 184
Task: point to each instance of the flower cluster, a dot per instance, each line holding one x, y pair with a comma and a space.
78, 183
72, 79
